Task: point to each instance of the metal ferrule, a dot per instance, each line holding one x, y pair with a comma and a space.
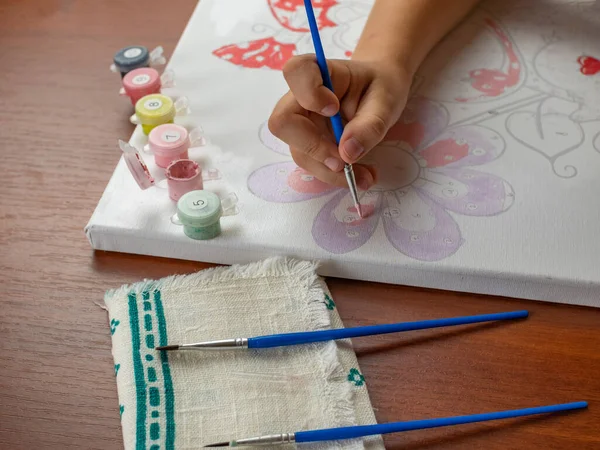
272, 439
349, 172
225, 344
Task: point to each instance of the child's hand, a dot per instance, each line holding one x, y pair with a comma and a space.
372, 97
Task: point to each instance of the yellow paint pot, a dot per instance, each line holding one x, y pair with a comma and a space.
154, 110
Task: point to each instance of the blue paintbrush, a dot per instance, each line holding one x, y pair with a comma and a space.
336, 434
307, 337
336, 121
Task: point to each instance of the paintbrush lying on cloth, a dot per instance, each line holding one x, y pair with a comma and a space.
342, 433
307, 337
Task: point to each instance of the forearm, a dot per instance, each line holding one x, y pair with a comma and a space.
402, 32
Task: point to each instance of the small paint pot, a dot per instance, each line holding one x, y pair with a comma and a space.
170, 142
136, 57
182, 176
200, 213
157, 109
145, 81
130, 58
136, 165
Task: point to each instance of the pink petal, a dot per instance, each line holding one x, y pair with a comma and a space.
444, 151
463, 146
338, 228
284, 183
420, 122
418, 227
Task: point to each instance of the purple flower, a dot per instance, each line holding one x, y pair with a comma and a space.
423, 176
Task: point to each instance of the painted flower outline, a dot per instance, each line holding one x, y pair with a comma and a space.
292, 34
477, 62
424, 175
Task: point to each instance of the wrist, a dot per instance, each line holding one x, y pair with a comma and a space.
401, 33
395, 63
379, 46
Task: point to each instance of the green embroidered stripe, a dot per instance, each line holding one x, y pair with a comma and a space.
151, 374
154, 397
150, 341
138, 370
154, 431
168, 382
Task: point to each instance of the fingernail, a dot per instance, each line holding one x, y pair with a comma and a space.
329, 110
334, 164
365, 183
353, 149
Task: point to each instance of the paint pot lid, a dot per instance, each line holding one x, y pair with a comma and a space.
168, 139
131, 57
136, 165
155, 109
199, 208
144, 78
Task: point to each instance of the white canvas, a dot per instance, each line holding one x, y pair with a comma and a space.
496, 167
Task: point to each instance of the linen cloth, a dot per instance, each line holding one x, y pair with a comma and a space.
184, 400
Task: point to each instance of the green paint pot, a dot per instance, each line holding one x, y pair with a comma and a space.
200, 214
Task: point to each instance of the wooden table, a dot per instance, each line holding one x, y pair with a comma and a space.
59, 118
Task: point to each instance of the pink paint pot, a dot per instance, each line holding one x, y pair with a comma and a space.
170, 142
145, 81
183, 176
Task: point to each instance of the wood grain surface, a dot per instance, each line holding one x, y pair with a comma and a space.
59, 118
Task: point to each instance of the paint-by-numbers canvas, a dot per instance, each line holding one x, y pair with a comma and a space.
488, 183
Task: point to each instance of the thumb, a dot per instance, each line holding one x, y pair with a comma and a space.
374, 117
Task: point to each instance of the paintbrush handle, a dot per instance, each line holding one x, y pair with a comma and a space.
333, 434
306, 337
336, 121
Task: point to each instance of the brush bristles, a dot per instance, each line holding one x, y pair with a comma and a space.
168, 347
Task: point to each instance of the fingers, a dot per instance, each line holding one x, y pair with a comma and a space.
290, 123
376, 113
365, 176
298, 121
303, 76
